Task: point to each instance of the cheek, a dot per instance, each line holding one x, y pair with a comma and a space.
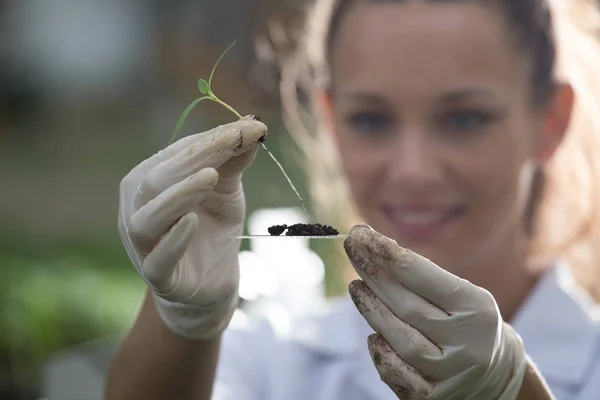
497, 183
495, 192
363, 165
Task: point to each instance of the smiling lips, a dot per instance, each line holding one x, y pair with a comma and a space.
421, 222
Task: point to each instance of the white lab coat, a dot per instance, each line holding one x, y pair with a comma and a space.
326, 357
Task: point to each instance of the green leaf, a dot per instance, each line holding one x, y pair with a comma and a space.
184, 116
204, 87
218, 61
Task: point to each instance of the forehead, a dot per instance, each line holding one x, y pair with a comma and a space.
423, 43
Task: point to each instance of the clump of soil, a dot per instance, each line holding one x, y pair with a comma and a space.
277, 230
303, 230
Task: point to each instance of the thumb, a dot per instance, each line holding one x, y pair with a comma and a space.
256, 133
236, 165
230, 173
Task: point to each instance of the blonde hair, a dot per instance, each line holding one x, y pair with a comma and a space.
567, 223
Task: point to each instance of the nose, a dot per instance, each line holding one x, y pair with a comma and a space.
415, 162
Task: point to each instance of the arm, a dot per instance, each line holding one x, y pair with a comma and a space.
177, 214
534, 387
154, 363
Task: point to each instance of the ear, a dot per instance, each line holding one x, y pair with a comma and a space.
556, 122
325, 105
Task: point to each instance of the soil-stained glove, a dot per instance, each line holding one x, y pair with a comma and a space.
177, 213
437, 336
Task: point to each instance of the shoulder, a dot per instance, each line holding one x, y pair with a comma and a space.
274, 328
276, 354
318, 331
560, 327
273, 335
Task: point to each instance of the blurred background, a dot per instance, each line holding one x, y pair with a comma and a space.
88, 89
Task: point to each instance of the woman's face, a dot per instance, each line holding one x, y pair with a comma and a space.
430, 108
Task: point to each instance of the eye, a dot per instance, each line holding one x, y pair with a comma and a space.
464, 121
369, 122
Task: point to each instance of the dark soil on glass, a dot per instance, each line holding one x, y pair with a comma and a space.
303, 230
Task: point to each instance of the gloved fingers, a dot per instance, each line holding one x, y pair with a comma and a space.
210, 149
443, 330
230, 173
406, 305
181, 144
159, 266
408, 343
247, 123
403, 379
149, 223
432, 322
133, 179
419, 275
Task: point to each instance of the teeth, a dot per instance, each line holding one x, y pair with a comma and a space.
419, 217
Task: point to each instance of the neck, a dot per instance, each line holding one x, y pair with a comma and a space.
506, 276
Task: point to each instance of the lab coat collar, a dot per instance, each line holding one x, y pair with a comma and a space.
570, 322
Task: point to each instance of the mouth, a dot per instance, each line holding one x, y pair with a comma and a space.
422, 223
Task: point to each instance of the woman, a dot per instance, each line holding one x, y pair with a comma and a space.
450, 128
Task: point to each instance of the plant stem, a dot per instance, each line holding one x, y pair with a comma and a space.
216, 99
205, 88
288, 179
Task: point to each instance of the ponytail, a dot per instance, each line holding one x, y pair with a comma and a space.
568, 226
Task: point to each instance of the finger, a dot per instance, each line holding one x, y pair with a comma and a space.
446, 331
407, 341
412, 270
210, 149
150, 222
244, 123
248, 122
230, 173
159, 267
405, 304
177, 147
403, 379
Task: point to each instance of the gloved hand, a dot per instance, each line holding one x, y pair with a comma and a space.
437, 336
177, 213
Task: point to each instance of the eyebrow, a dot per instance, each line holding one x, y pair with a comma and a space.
360, 95
465, 94
449, 97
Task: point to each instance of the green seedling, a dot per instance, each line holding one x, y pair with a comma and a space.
208, 94
206, 90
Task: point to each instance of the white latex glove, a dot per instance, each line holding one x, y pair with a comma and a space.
177, 213
437, 336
